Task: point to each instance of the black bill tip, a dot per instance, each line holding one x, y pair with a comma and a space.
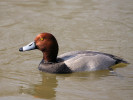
21, 49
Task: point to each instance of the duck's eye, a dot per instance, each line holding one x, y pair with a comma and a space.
41, 39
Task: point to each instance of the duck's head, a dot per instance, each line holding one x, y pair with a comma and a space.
45, 42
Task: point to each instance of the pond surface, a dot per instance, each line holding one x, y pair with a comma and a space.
97, 25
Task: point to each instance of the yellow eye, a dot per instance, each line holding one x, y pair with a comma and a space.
41, 39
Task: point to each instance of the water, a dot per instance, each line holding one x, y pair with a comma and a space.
105, 26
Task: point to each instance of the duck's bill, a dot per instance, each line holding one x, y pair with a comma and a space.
30, 46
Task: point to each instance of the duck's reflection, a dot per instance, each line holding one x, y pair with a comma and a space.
45, 88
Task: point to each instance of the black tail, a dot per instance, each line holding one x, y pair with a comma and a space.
119, 60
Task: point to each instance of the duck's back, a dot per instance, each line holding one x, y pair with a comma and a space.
89, 60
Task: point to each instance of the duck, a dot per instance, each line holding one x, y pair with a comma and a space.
74, 61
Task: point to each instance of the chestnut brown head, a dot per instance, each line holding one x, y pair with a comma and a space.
46, 43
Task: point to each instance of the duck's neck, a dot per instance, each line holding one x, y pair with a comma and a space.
50, 56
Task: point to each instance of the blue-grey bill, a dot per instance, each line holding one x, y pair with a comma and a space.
30, 46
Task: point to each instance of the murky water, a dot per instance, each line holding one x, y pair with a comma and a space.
98, 25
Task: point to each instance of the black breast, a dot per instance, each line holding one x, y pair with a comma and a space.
58, 67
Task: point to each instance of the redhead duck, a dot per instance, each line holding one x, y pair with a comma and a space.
75, 61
